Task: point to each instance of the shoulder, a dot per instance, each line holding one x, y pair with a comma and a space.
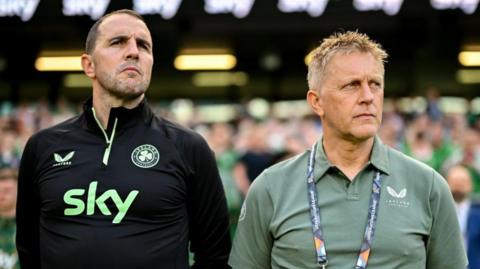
180, 135
39, 145
419, 177
188, 144
55, 133
283, 176
287, 165
405, 166
407, 163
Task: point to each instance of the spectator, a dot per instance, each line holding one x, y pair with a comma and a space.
8, 199
220, 140
433, 106
468, 212
9, 152
256, 158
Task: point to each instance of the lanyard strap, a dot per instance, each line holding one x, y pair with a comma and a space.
318, 237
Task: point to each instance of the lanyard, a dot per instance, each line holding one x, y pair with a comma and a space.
318, 238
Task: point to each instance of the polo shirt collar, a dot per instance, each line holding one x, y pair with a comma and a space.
322, 164
378, 158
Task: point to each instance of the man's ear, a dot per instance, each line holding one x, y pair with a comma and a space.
315, 101
88, 66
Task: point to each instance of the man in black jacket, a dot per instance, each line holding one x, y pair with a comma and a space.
118, 187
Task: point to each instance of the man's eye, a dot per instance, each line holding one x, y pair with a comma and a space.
352, 85
143, 45
115, 42
375, 84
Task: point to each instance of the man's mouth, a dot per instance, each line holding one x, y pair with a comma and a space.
365, 115
131, 68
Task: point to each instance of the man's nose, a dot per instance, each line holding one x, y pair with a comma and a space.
132, 49
366, 93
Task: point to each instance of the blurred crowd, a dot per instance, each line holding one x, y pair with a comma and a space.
245, 146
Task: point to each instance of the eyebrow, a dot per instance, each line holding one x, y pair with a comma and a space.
142, 41
377, 79
355, 77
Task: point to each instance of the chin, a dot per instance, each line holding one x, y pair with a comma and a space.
133, 89
134, 95
128, 93
365, 133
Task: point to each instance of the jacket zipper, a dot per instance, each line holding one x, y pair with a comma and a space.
109, 141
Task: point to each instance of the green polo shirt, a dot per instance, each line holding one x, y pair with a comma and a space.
416, 227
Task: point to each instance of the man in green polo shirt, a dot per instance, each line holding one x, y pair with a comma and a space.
351, 201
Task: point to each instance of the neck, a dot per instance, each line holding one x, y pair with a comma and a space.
349, 156
103, 101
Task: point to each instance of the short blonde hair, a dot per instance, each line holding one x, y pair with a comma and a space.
346, 42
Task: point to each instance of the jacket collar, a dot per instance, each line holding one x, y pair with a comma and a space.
125, 117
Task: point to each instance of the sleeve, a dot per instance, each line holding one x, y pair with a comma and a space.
253, 241
445, 247
28, 212
208, 214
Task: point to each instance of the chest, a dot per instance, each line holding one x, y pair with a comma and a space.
143, 177
400, 231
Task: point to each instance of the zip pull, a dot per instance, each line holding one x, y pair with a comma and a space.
108, 140
106, 155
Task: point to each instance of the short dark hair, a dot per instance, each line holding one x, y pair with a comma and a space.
93, 33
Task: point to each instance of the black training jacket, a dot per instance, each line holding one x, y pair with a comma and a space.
132, 196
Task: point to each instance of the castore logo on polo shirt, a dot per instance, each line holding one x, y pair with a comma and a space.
397, 199
393, 193
59, 160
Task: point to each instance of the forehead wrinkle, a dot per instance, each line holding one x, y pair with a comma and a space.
349, 73
123, 30
129, 35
